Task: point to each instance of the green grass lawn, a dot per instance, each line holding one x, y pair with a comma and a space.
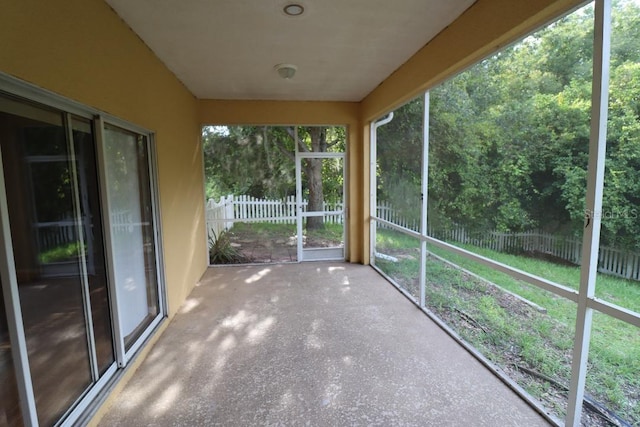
625, 293
278, 231
265, 230
512, 334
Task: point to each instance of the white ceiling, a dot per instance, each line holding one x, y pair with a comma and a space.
227, 49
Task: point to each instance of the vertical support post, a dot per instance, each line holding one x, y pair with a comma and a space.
298, 197
343, 219
425, 198
593, 213
373, 197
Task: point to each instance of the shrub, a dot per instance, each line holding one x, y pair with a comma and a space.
222, 252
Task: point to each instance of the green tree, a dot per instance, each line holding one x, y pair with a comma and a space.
259, 161
509, 138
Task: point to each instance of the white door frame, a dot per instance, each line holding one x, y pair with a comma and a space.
318, 254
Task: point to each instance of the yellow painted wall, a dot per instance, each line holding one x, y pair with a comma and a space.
82, 50
227, 112
221, 112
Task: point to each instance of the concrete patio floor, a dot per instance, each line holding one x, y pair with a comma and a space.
319, 344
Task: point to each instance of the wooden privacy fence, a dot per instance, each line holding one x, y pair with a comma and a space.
222, 214
615, 262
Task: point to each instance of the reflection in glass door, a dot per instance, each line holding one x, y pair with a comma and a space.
90, 225
320, 218
129, 195
53, 209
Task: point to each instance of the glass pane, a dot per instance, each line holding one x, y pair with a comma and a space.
613, 378
399, 195
320, 139
37, 167
93, 242
132, 229
10, 414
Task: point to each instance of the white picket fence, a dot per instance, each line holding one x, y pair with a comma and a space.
219, 215
388, 213
563, 247
56, 233
612, 261
222, 214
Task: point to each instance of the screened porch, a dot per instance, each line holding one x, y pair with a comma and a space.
310, 344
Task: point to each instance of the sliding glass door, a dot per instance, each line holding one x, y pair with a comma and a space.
79, 258
50, 252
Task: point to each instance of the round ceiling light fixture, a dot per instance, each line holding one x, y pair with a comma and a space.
293, 9
286, 71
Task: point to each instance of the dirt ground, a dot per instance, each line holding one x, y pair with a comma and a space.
260, 246
258, 250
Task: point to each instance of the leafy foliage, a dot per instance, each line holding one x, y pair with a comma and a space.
509, 138
508, 141
259, 161
248, 160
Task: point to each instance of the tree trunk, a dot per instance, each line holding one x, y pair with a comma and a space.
316, 196
313, 170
